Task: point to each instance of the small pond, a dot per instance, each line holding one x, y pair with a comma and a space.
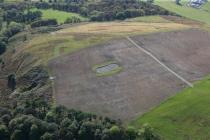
107, 68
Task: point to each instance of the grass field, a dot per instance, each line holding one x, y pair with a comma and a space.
183, 117
186, 11
61, 16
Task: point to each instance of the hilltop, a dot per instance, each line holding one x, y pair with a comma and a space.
103, 70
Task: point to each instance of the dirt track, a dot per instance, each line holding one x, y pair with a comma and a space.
186, 52
142, 84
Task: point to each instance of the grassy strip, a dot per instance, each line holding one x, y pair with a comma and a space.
149, 19
114, 71
124, 28
184, 116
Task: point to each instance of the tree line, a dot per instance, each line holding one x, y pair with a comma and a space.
14, 17
30, 115
59, 123
106, 10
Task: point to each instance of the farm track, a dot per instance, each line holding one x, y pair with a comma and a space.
161, 63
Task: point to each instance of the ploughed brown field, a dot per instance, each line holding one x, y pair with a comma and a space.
142, 84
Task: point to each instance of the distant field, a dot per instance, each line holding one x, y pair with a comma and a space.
13, 1
185, 11
206, 7
61, 16
183, 117
149, 19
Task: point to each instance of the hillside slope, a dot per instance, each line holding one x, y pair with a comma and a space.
185, 116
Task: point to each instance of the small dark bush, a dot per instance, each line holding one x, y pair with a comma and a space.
46, 22
11, 82
13, 29
73, 20
2, 47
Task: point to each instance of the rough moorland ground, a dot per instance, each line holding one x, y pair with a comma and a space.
142, 84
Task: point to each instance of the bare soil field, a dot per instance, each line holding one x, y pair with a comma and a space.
186, 52
142, 83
